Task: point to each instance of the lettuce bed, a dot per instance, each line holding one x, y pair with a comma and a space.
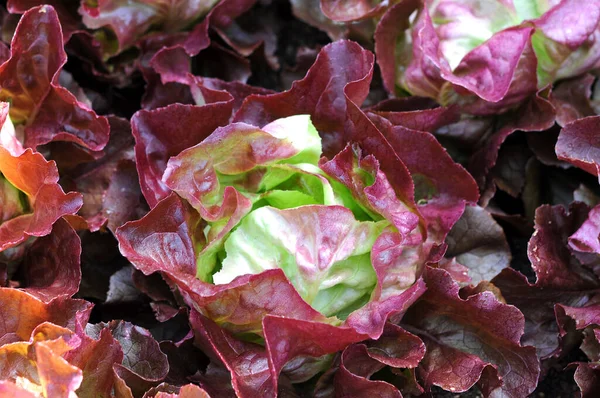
223, 198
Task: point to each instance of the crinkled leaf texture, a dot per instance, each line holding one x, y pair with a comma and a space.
32, 182
29, 81
471, 340
453, 62
347, 238
561, 277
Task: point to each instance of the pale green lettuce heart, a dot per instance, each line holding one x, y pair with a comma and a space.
323, 250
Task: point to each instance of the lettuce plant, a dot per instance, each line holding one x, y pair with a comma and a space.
488, 56
292, 214
314, 236
264, 209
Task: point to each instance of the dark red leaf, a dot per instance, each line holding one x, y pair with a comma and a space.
29, 81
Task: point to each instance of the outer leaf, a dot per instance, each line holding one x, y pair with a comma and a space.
17, 326
321, 94
578, 144
479, 243
352, 377
96, 359
52, 264
172, 61
144, 364
537, 114
587, 237
29, 81
157, 139
560, 277
130, 20
57, 376
37, 178
99, 178
572, 99
442, 187
38, 362
587, 378
470, 340
247, 362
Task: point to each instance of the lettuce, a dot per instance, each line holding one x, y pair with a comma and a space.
486, 56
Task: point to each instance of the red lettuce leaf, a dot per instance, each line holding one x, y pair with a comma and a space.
391, 40
37, 178
96, 358
321, 94
587, 377
415, 113
572, 99
172, 61
18, 326
157, 138
395, 348
352, 376
477, 242
247, 362
537, 114
29, 81
587, 238
578, 144
70, 20
39, 363
470, 340
561, 278
442, 187
144, 365
52, 264
113, 172
352, 10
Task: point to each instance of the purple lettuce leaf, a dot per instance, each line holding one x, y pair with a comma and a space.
561, 278
52, 264
578, 144
572, 99
477, 242
537, 114
470, 340
101, 179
